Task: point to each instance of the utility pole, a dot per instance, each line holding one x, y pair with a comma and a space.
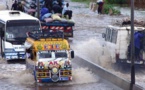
38, 9
132, 46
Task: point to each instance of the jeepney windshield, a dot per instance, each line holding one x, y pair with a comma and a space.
52, 54
60, 54
44, 54
17, 29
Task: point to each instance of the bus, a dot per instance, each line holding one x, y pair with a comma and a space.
13, 28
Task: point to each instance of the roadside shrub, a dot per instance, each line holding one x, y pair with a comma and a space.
107, 6
116, 1
108, 9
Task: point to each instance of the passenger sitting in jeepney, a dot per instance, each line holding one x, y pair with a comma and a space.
44, 11
32, 9
66, 12
56, 8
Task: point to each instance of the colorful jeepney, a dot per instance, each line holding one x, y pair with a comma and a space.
49, 56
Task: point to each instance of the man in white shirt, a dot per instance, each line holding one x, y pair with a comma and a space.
99, 1
66, 12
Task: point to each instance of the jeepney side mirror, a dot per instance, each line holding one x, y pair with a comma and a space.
103, 35
72, 54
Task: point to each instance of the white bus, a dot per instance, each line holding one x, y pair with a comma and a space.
13, 28
118, 41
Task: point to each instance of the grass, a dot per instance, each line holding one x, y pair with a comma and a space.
107, 6
82, 1
87, 2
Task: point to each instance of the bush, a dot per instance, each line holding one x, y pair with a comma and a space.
116, 1
108, 7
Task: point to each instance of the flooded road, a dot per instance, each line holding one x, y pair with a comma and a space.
16, 77
88, 40
87, 43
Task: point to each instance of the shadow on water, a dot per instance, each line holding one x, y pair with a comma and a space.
16, 61
53, 86
126, 67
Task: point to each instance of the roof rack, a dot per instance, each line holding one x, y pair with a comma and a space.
39, 34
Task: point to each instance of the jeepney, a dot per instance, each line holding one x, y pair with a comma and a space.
49, 56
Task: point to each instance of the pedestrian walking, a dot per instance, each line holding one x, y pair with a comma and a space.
100, 6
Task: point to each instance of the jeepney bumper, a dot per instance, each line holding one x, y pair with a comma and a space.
47, 80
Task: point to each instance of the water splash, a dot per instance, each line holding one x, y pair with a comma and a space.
26, 78
93, 50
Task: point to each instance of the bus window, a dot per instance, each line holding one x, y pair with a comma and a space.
17, 29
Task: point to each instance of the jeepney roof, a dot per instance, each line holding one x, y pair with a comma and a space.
46, 40
136, 28
49, 44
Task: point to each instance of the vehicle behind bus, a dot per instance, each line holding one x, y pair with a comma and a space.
13, 28
118, 43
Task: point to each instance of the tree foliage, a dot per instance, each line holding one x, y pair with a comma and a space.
116, 1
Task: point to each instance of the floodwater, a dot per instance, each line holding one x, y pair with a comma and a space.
16, 77
87, 43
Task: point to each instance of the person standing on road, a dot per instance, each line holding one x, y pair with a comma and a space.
100, 6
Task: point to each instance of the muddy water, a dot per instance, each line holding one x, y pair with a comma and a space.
16, 77
87, 43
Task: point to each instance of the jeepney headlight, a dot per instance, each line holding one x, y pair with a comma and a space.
54, 70
40, 65
67, 64
55, 78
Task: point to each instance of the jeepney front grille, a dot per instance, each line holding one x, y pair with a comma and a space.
45, 73
65, 73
